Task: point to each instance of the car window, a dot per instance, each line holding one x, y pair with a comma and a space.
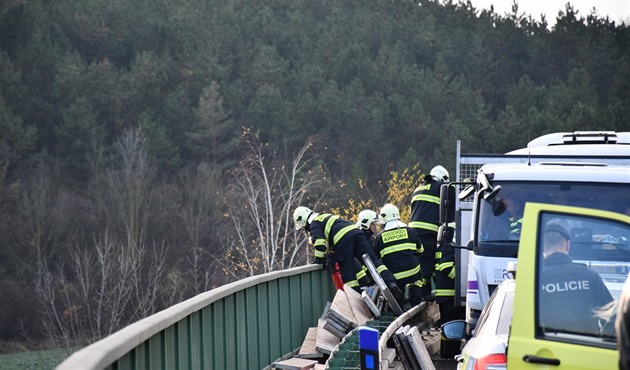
583, 262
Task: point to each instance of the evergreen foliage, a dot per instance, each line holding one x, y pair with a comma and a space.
384, 85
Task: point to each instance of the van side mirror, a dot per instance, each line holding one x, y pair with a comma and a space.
447, 203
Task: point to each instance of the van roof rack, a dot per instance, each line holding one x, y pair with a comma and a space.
581, 137
590, 137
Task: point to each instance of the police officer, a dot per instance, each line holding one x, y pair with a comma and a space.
570, 292
342, 241
425, 215
399, 247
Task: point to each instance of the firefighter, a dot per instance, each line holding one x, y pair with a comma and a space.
444, 278
425, 214
398, 246
368, 222
508, 221
341, 241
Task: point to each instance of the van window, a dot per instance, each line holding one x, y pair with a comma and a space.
500, 218
582, 265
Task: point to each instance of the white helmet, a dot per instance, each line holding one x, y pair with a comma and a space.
439, 173
389, 212
300, 216
365, 219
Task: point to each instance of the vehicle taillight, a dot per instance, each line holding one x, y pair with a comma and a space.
497, 361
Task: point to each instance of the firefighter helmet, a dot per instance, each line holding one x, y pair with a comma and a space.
300, 216
389, 212
365, 219
439, 173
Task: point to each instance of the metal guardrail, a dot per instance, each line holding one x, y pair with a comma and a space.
243, 325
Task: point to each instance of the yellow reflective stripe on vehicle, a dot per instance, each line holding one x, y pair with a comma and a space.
444, 292
320, 254
405, 274
426, 198
329, 225
381, 268
397, 248
352, 283
343, 232
423, 225
444, 265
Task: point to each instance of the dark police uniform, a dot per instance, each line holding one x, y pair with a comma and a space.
399, 249
570, 293
348, 243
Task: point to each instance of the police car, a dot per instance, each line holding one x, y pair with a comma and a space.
565, 307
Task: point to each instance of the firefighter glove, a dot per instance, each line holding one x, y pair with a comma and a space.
396, 292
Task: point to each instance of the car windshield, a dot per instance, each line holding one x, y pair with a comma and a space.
500, 217
584, 262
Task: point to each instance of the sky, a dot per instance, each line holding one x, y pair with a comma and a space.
616, 10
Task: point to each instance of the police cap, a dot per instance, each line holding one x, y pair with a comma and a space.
555, 227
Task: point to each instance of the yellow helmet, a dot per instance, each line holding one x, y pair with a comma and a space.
300, 216
389, 212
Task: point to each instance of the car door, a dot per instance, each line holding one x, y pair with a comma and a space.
562, 311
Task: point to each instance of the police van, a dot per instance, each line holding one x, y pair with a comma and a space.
584, 169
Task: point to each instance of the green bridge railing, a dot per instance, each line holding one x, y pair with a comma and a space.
243, 325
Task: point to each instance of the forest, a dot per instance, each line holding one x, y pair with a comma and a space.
152, 150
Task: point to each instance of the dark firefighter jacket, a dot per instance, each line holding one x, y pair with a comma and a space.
444, 272
399, 249
328, 230
425, 207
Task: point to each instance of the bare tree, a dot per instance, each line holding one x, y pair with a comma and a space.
130, 184
199, 212
265, 190
117, 277
113, 285
41, 220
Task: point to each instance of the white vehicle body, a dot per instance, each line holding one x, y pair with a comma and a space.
489, 341
592, 174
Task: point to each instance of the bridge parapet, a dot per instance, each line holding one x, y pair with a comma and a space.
246, 324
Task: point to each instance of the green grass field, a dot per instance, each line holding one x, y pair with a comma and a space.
32, 360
